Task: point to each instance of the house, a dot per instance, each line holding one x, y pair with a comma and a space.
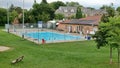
83, 26
92, 12
68, 11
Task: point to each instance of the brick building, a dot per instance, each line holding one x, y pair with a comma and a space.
85, 26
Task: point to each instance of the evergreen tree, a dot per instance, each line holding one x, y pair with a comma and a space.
44, 2
79, 13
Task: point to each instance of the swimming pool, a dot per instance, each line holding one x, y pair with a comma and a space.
52, 36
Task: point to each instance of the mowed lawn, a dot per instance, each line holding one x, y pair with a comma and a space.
81, 54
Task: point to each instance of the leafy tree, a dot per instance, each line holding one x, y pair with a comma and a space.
18, 9
44, 17
118, 9
3, 16
74, 4
13, 15
110, 10
11, 8
44, 2
79, 13
59, 16
109, 34
31, 16
42, 9
57, 4
105, 18
72, 16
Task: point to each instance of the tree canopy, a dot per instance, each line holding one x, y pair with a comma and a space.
105, 18
110, 10
109, 34
57, 4
42, 11
118, 9
3, 16
59, 16
73, 4
79, 13
44, 2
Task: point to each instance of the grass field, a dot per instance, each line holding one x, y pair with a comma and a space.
82, 54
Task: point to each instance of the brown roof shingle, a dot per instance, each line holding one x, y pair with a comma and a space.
91, 20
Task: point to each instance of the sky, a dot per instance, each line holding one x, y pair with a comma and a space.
86, 3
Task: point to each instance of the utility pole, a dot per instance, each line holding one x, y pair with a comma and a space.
23, 22
8, 18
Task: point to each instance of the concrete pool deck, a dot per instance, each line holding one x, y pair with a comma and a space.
19, 32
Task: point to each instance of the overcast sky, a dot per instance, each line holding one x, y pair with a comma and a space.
86, 3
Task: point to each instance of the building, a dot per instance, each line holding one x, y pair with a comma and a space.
88, 25
68, 11
92, 12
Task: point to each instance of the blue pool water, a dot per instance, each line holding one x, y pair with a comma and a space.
50, 36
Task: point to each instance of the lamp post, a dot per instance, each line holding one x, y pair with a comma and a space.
23, 21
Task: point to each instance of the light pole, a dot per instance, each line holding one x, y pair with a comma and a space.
7, 18
23, 21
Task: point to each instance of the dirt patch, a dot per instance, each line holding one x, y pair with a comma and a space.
3, 48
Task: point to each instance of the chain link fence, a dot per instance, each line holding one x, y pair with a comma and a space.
47, 33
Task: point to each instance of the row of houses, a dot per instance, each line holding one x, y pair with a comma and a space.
87, 25
68, 11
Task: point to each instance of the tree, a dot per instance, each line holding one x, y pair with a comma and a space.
110, 10
13, 15
59, 16
79, 13
18, 9
72, 16
31, 16
109, 35
57, 4
105, 18
73, 4
44, 17
3, 16
44, 2
118, 9
11, 8
42, 9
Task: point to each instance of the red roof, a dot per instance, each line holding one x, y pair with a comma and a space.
88, 20
96, 18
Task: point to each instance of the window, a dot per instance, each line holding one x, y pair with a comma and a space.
60, 8
65, 10
72, 10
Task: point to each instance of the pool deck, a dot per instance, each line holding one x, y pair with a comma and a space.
19, 32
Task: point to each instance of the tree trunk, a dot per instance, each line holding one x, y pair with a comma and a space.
110, 54
118, 57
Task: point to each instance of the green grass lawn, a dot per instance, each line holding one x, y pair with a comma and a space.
82, 54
